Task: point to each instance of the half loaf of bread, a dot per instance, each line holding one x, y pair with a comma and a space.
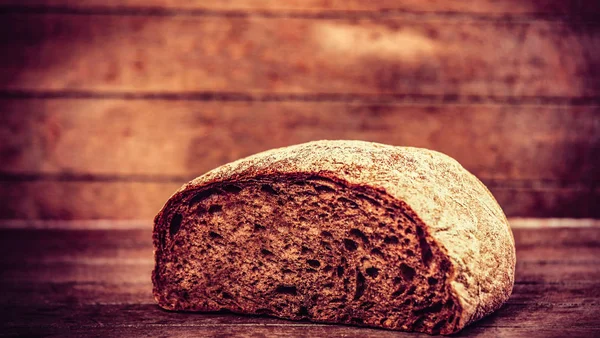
345, 232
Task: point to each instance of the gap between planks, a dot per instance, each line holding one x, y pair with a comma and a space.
315, 97
515, 223
310, 14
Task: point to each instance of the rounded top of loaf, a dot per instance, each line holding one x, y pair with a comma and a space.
460, 213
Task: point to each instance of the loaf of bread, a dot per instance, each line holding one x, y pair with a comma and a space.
346, 232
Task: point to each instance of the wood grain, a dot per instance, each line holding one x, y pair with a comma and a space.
424, 56
77, 200
96, 282
179, 140
543, 315
549, 202
536, 7
561, 237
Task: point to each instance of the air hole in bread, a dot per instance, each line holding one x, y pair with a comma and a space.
306, 250
175, 224
350, 245
359, 234
326, 245
326, 234
390, 240
266, 252
303, 311
408, 273
202, 195
426, 253
360, 285
399, 291
377, 252
286, 289
215, 208
231, 188
372, 272
324, 189
314, 263
268, 189
214, 235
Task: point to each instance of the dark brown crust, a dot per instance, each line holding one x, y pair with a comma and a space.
456, 209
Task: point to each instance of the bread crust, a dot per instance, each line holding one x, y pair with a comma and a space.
459, 212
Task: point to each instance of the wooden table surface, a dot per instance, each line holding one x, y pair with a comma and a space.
96, 282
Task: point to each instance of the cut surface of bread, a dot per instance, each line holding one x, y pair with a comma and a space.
308, 244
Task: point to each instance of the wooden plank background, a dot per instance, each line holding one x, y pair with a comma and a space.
107, 107
281, 55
